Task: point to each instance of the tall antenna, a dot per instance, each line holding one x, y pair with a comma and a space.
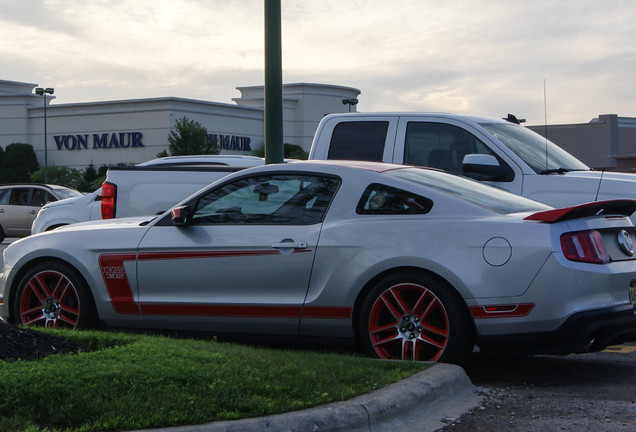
545, 122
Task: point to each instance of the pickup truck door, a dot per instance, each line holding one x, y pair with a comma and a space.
243, 264
442, 143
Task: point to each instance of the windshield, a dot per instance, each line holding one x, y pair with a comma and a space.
483, 195
540, 154
63, 193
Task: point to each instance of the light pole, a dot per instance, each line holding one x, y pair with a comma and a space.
350, 102
43, 92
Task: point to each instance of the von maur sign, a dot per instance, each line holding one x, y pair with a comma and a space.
127, 140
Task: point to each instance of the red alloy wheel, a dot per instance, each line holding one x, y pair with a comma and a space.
49, 299
408, 322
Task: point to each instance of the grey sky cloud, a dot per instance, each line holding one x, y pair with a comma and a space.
479, 56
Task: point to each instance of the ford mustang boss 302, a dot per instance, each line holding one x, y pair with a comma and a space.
412, 263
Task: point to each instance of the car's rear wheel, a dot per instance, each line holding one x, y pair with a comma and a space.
53, 294
413, 316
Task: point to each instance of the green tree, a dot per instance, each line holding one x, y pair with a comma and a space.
189, 137
290, 151
18, 163
63, 176
90, 174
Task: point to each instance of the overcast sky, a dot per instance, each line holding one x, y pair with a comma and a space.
489, 57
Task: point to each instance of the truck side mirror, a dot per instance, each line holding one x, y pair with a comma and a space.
182, 216
483, 167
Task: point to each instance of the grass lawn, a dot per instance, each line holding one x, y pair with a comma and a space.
132, 381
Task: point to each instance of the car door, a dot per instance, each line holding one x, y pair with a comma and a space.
243, 262
13, 212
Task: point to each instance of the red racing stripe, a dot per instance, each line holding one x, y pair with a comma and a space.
116, 281
121, 297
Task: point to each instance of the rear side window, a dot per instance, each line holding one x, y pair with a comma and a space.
379, 199
362, 140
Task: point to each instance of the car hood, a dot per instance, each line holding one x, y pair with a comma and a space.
72, 200
70, 242
107, 224
617, 185
576, 187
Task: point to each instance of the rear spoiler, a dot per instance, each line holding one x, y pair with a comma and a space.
623, 207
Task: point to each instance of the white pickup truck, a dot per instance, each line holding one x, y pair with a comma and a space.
499, 152
148, 188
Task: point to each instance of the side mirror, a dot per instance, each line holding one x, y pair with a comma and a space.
483, 167
182, 216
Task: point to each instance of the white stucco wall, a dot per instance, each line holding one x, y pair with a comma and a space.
136, 130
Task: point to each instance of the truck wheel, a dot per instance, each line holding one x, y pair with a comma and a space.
412, 316
53, 294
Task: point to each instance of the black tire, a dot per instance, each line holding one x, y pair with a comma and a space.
413, 316
53, 294
1, 235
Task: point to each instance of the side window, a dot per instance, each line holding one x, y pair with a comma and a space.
39, 197
440, 145
4, 196
379, 199
19, 196
277, 199
362, 140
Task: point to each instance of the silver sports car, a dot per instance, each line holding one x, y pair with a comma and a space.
412, 263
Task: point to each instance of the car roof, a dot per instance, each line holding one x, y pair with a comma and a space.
463, 117
48, 186
231, 160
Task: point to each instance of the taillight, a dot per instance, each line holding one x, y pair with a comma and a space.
584, 246
109, 195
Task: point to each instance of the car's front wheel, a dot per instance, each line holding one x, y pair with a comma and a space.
53, 294
413, 316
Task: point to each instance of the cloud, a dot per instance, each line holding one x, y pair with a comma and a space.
475, 56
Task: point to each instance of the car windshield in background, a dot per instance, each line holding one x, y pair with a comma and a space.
540, 154
489, 197
63, 193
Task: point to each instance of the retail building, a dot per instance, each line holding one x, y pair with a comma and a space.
134, 131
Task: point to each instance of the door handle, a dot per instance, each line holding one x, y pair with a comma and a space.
290, 245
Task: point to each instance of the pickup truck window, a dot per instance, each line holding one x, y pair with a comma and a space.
540, 154
360, 140
273, 199
440, 145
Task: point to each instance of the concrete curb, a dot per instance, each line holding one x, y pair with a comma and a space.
420, 403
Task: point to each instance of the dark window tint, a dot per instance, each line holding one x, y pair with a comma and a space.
277, 199
358, 141
440, 145
41, 197
19, 196
382, 200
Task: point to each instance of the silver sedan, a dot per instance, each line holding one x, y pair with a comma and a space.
412, 263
